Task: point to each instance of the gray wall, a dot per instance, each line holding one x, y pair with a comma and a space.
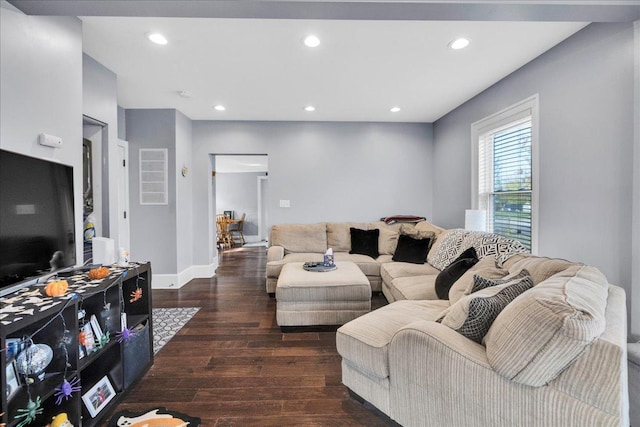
329, 171
153, 227
585, 86
239, 192
122, 123
41, 91
100, 101
184, 193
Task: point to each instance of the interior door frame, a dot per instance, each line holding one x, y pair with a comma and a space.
262, 235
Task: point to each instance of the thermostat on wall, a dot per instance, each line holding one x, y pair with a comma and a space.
50, 140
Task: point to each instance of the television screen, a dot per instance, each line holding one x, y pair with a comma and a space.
37, 227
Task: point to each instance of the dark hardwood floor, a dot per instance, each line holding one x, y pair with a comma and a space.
231, 365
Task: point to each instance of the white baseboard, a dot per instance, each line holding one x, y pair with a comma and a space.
252, 239
176, 281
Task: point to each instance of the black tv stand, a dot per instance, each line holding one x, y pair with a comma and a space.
30, 313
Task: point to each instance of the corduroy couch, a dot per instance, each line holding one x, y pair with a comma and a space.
309, 242
554, 356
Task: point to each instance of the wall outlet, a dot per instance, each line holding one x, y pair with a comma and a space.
50, 140
285, 203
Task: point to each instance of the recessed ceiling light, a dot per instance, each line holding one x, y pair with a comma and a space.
312, 41
460, 43
219, 107
309, 108
157, 38
394, 109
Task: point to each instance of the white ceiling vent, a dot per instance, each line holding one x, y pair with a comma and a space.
154, 189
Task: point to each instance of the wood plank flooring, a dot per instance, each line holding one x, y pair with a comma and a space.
231, 365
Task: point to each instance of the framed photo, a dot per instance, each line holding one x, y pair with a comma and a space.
86, 338
13, 380
229, 214
98, 396
95, 325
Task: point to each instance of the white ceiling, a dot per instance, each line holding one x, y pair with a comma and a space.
260, 69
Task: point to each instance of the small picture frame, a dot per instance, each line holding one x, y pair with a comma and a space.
88, 341
12, 378
229, 214
97, 330
98, 396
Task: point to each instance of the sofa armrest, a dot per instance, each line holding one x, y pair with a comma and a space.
275, 253
439, 375
430, 335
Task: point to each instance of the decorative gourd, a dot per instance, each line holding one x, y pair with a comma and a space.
57, 288
98, 273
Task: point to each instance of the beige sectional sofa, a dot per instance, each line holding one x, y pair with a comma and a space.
556, 355
309, 242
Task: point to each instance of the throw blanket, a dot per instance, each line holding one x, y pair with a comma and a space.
402, 218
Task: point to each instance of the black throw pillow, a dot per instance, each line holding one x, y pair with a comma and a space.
454, 271
411, 250
365, 242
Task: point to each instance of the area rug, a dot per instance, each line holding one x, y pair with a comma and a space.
159, 417
167, 322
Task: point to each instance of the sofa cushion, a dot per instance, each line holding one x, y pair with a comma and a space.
540, 268
364, 341
446, 248
411, 249
296, 238
368, 265
473, 315
544, 330
393, 270
388, 240
364, 242
426, 226
485, 267
339, 235
414, 288
454, 271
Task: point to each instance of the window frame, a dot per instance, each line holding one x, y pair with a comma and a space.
525, 108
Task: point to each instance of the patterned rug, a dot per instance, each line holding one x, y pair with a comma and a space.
167, 322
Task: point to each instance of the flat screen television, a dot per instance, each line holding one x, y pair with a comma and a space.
37, 224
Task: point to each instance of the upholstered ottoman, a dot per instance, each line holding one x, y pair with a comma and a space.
308, 298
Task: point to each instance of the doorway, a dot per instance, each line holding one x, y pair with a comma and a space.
239, 189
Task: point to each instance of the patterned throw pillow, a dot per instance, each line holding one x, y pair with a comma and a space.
473, 315
447, 248
500, 247
480, 283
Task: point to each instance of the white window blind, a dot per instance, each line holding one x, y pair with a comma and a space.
153, 176
505, 179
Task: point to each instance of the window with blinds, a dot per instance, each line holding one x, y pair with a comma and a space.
505, 179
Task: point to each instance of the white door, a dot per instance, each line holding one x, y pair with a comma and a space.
123, 195
263, 220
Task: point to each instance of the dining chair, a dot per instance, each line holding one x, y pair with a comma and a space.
237, 229
224, 239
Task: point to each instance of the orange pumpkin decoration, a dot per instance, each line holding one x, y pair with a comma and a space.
98, 273
57, 288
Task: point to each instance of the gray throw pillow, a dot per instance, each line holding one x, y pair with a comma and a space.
473, 315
